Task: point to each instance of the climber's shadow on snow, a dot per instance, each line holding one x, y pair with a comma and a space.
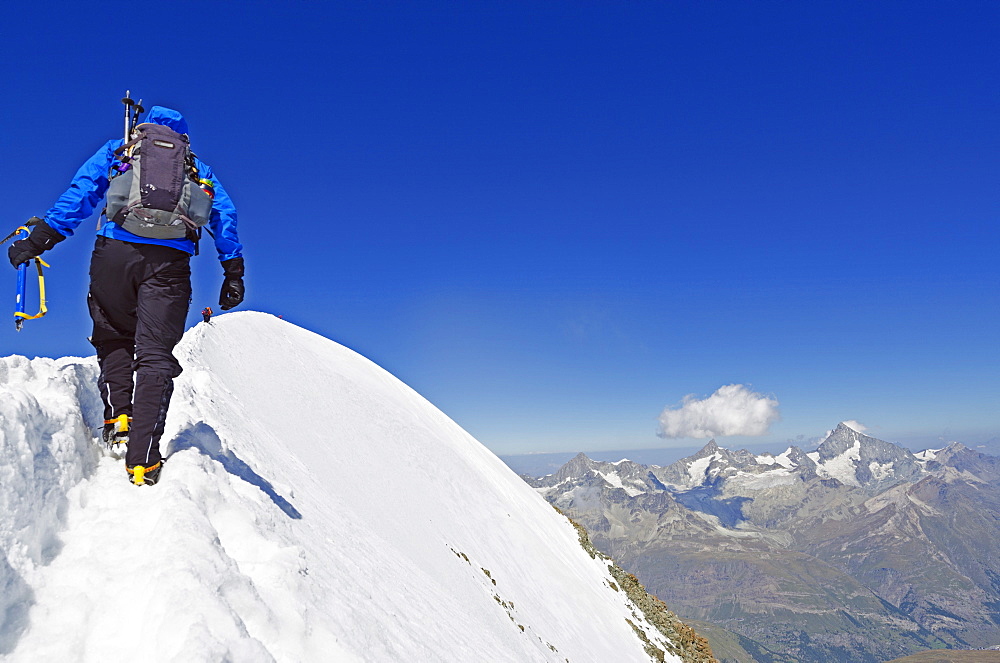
203, 438
14, 606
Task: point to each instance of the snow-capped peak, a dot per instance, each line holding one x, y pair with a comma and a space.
857, 459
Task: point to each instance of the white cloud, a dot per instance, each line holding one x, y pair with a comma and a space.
732, 410
859, 427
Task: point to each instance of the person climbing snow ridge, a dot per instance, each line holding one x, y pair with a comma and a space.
159, 195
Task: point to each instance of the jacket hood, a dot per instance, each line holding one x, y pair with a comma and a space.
168, 117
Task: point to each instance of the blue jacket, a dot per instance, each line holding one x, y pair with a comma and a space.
91, 182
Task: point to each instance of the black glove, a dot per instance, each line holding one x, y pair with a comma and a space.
232, 286
42, 238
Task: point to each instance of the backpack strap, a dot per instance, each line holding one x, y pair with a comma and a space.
129, 144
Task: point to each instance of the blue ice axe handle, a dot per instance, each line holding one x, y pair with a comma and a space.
22, 281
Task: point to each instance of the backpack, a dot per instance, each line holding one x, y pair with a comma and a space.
155, 192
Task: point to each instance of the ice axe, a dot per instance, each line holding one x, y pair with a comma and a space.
20, 316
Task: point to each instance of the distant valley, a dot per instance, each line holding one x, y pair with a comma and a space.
858, 551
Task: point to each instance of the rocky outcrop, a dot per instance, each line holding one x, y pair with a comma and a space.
686, 643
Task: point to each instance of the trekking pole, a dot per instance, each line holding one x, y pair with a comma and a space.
20, 316
136, 112
127, 100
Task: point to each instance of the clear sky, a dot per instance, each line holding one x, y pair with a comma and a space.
557, 219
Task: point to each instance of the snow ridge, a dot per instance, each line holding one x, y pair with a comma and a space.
313, 507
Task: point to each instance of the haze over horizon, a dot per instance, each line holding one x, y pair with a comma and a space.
575, 227
541, 463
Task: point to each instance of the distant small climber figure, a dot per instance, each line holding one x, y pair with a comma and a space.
206, 313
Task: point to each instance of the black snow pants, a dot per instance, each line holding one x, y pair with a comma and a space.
139, 298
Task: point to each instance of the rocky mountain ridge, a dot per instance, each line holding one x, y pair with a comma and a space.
860, 550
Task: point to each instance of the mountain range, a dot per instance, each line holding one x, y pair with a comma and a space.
858, 551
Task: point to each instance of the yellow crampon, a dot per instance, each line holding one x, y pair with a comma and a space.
119, 433
139, 473
121, 423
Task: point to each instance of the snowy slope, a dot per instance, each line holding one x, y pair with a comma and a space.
313, 508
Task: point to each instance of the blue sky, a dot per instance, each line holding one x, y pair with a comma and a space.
556, 219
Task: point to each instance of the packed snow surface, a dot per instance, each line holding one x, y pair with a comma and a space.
313, 508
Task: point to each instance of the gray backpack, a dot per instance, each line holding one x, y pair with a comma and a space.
156, 193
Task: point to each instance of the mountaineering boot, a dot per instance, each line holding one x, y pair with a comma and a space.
116, 431
144, 476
